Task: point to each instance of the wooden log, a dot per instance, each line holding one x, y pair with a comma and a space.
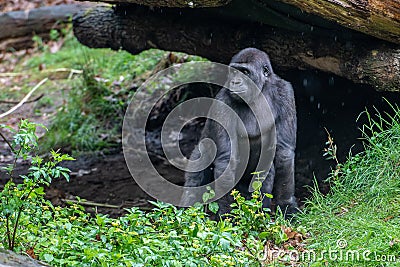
379, 18
170, 3
359, 58
18, 27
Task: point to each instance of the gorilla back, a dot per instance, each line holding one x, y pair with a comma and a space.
249, 86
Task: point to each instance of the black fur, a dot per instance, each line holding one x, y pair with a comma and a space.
279, 94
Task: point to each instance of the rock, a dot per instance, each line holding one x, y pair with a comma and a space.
12, 259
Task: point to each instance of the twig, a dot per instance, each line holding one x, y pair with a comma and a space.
90, 203
102, 205
24, 99
7, 142
16, 74
26, 102
11, 74
19, 216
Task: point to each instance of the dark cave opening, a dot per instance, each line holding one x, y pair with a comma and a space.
324, 103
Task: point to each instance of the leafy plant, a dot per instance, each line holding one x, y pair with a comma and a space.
165, 236
330, 153
54, 35
253, 217
21, 199
38, 43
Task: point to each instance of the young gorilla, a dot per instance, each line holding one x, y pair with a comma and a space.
279, 94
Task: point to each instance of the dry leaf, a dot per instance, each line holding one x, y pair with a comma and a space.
388, 218
31, 253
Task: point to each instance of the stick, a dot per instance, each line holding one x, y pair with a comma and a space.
17, 74
90, 203
102, 205
15, 102
24, 99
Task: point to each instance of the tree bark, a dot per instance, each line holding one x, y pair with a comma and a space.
18, 27
361, 59
379, 18
170, 3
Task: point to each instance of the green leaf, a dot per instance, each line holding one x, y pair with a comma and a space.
256, 185
212, 193
206, 197
195, 230
213, 207
48, 257
66, 176
263, 235
268, 195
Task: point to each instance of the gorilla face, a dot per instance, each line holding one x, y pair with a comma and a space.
255, 66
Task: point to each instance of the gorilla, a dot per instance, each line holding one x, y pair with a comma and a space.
278, 93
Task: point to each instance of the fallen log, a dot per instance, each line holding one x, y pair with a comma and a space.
357, 57
379, 18
18, 27
171, 3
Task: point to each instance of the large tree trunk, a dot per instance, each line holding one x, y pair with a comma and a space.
360, 58
379, 18
171, 3
18, 27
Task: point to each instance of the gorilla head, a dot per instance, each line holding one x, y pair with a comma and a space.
256, 66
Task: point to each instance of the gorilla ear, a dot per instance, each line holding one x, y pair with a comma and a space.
266, 70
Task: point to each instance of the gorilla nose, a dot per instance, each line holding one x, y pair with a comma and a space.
236, 81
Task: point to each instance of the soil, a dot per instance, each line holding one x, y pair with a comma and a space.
14, 5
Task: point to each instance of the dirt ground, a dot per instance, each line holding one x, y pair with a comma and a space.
14, 5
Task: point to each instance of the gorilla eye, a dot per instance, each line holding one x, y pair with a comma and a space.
266, 71
245, 72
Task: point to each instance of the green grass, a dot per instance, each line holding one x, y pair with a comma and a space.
108, 64
91, 105
86, 109
363, 207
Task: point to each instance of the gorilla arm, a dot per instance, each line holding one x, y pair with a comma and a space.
286, 127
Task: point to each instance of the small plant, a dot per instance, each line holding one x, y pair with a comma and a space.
330, 153
38, 43
54, 35
22, 199
207, 196
252, 217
